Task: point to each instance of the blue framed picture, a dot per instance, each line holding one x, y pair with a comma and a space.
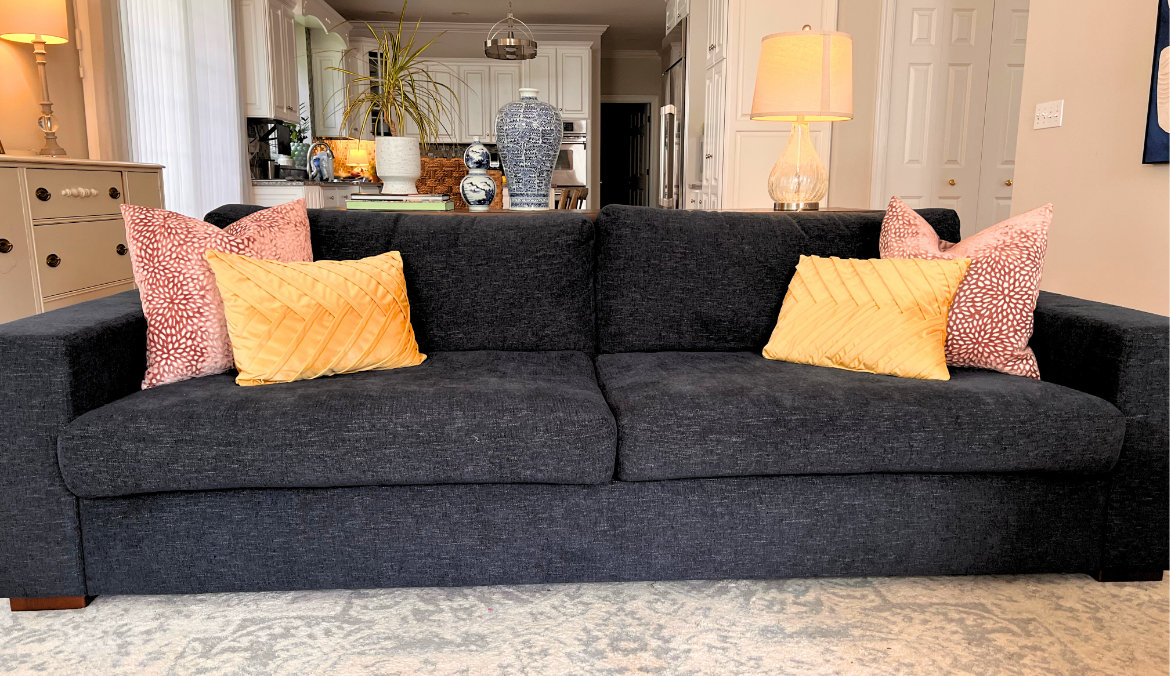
1158, 116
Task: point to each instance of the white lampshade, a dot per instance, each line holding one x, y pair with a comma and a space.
805, 74
34, 20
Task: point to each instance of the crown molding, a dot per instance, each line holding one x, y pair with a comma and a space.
630, 54
483, 28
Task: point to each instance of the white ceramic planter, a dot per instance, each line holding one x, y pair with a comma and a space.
399, 164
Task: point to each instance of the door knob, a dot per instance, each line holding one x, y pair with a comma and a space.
1008, 182
5, 246
951, 182
53, 260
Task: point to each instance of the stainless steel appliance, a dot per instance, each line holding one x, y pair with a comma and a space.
572, 167
671, 116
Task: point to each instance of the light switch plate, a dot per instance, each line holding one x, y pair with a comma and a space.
1049, 114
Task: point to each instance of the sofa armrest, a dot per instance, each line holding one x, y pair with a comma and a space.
54, 367
1122, 356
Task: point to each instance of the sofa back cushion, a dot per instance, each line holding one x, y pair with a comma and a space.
695, 280
507, 282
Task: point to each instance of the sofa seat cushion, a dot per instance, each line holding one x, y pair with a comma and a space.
711, 414
459, 417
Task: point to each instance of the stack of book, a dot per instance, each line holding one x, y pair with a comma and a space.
380, 202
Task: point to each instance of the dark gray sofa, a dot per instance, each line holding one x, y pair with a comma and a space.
594, 407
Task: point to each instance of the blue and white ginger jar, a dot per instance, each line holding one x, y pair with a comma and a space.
477, 188
528, 136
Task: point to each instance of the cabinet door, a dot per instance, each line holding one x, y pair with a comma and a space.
505, 89
288, 65
540, 74
257, 61
714, 132
453, 110
355, 62
573, 82
716, 31
329, 92
671, 14
277, 81
476, 99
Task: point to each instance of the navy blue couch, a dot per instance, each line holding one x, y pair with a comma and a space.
594, 407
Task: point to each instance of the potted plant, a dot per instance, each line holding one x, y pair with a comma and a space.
400, 95
297, 136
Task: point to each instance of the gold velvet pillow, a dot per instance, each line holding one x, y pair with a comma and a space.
296, 321
878, 316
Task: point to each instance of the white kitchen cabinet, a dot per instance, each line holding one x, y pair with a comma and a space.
714, 133
330, 93
316, 196
452, 117
573, 82
505, 90
682, 9
561, 73
476, 100
269, 59
671, 14
716, 31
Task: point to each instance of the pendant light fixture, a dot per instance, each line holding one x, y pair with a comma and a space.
503, 44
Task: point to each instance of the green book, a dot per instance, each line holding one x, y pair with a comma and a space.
373, 205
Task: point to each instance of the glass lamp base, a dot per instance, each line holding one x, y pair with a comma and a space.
799, 176
796, 206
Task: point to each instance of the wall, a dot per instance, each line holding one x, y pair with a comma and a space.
20, 102
631, 74
851, 163
1109, 238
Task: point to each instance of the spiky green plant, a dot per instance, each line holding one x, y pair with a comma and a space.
403, 91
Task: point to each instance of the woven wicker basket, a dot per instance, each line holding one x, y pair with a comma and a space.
441, 176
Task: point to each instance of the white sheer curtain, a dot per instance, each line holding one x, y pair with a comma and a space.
183, 99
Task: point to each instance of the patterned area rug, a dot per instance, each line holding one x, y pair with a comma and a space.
1040, 624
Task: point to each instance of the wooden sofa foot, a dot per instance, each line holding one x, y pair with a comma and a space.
1128, 576
50, 603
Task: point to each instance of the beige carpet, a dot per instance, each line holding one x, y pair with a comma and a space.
1042, 624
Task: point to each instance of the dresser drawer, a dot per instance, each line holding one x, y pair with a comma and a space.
86, 254
72, 193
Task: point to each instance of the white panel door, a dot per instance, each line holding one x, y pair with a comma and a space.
716, 31
505, 89
573, 83
475, 97
1004, 83
714, 134
937, 103
540, 73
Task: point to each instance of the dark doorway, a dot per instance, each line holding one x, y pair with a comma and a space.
625, 154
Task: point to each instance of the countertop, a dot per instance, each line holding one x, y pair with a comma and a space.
298, 182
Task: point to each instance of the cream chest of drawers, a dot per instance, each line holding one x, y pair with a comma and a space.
62, 239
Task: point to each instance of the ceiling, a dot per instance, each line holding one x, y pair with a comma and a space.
633, 24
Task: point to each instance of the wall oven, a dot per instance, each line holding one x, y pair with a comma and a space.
572, 167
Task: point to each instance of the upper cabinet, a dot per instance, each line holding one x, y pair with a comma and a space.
270, 59
716, 31
676, 10
561, 74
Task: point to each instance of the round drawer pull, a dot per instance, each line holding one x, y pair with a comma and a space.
43, 195
53, 260
5, 246
115, 193
121, 249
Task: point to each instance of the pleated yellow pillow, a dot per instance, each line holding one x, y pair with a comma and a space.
297, 321
877, 316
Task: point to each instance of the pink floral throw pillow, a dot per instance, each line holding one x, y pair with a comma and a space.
186, 331
990, 321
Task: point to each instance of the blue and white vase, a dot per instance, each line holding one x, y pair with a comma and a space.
477, 188
528, 136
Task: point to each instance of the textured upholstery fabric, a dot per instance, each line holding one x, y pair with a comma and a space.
1122, 356
459, 417
870, 315
693, 280
696, 414
508, 282
760, 527
57, 366
299, 321
186, 335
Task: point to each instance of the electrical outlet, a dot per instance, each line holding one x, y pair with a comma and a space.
1049, 114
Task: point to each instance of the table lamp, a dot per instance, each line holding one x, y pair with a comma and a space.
359, 158
40, 22
804, 76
